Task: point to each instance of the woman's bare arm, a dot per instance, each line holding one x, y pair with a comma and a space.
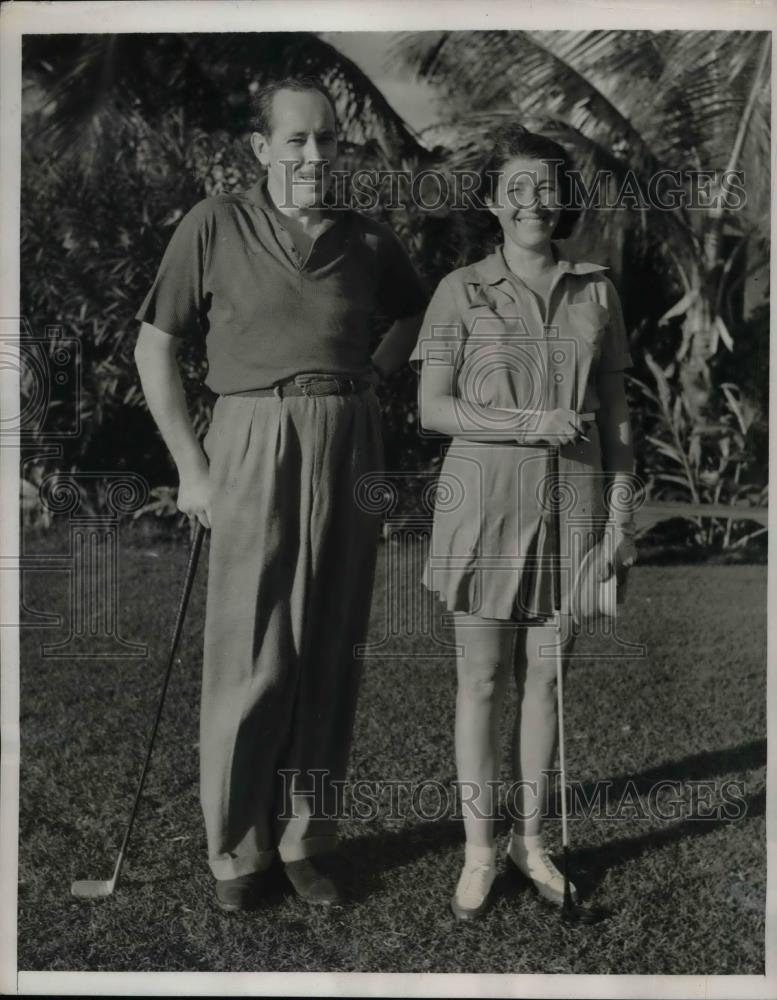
618, 461
615, 435
441, 410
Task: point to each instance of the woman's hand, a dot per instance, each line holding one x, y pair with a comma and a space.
625, 553
195, 491
555, 427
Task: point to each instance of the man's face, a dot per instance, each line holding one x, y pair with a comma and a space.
301, 150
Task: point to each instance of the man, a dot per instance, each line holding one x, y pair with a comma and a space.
284, 289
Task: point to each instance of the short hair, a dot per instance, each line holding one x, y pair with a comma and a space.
512, 140
262, 101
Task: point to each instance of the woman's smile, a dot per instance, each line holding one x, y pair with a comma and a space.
533, 220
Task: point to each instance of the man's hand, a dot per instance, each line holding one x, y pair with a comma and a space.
376, 376
194, 491
155, 355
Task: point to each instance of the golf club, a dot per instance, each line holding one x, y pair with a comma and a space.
571, 912
99, 888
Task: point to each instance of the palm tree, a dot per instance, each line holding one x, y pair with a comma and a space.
632, 103
636, 102
89, 85
122, 134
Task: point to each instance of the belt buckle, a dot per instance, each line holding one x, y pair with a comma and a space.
312, 386
325, 385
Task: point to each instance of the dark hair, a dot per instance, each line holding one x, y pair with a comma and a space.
261, 102
512, 140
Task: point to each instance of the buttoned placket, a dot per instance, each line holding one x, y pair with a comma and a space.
286, 241
545, 318
289, 245
549, 496
275, 220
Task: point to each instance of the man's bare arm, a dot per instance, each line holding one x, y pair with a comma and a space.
160, 377
397, 344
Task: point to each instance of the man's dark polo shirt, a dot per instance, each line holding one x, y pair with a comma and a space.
231, 272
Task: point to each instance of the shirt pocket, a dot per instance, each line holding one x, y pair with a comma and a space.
506, 320
588, 322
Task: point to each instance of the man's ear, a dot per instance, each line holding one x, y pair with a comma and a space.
259, 147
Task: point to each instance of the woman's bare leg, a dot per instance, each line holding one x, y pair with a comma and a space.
535, 740
483, 670
535, 736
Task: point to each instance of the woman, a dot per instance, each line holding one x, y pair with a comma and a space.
521, 354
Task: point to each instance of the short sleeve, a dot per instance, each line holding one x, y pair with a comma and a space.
400, 291
615, 356
441, 332
176, 303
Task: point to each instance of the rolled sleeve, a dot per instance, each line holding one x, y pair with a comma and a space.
615, 356
441, 333
401, 292
176, 302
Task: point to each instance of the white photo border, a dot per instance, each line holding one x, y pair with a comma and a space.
18, 19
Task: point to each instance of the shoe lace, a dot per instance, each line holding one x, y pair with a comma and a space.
476, 876
550, 867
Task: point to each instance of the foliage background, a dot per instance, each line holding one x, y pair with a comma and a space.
123, 134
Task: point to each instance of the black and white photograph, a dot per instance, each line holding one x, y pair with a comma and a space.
385, 520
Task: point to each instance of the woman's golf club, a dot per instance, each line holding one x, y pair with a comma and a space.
98, 888
571, 912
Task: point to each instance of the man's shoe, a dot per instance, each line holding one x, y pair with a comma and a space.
532, 860
241, 893
312, 883
477, 876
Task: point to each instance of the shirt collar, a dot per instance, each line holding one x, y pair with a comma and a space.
258, 195
493, 269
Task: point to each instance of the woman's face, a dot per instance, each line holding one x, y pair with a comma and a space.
526, 202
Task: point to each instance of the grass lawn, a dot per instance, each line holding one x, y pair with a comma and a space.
687, 894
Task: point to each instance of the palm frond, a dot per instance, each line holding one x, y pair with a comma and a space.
99, 82
535, 72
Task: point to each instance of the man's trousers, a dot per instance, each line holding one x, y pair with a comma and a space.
292, 560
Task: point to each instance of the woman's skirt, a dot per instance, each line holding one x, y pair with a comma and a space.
493, 550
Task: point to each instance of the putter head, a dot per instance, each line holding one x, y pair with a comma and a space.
92, 888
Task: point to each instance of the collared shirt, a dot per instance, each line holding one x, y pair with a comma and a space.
486, 322
231, 272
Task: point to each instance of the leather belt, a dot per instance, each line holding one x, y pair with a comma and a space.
310, 385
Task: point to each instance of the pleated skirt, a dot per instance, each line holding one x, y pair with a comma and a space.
493, 545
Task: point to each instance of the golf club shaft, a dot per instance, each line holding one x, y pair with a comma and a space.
191, 569
561, 751
556, 503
